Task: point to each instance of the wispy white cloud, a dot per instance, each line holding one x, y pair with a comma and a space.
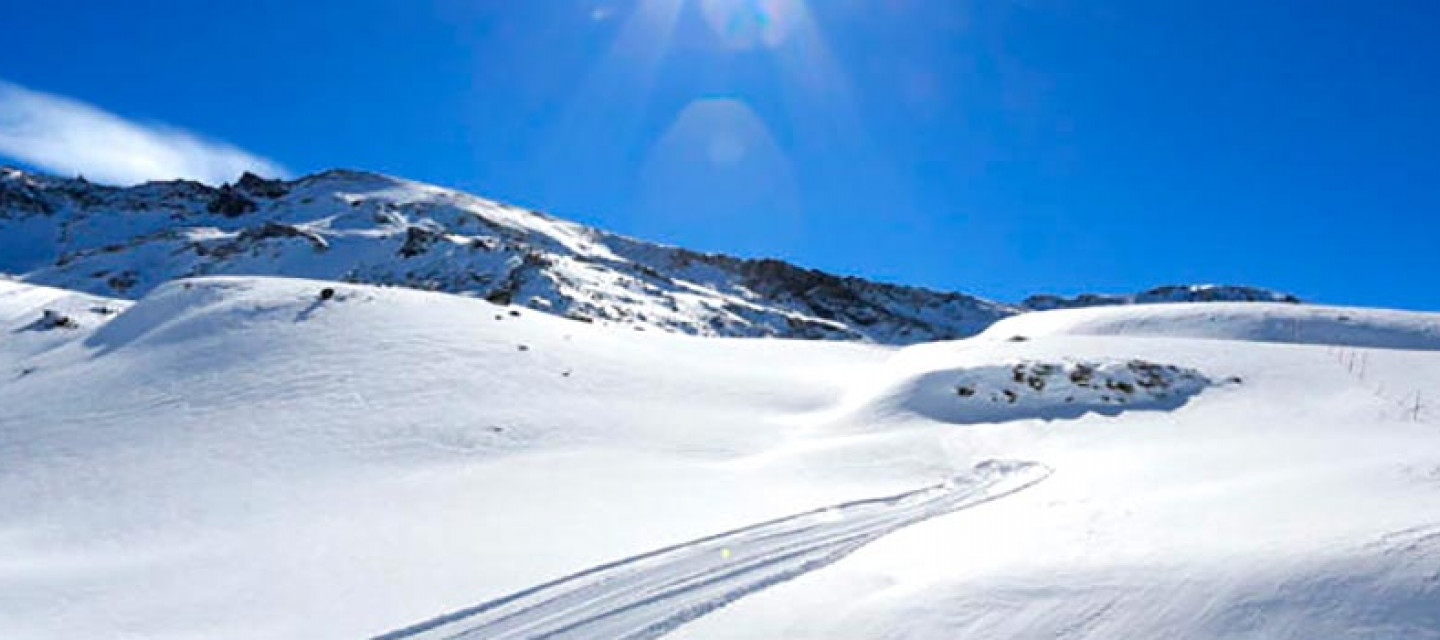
69, 137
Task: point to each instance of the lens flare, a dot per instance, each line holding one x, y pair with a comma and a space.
751, 24
718, 167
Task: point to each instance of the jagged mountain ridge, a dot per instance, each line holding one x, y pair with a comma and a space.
1159, 295
364, 227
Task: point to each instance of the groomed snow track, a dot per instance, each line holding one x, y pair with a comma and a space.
649, 595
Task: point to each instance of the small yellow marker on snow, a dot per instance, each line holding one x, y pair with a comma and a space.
725, 553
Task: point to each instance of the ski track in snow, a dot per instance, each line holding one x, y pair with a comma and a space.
650, 595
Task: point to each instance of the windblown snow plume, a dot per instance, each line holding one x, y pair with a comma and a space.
67, 136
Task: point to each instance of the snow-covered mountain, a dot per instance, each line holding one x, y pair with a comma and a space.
368, 228
1158, 295
360, 227
242, 457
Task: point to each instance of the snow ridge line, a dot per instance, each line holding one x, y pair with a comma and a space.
649, 595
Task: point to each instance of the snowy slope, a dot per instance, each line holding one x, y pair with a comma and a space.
36, 319
361, 227
368, 228
1303, 502
241, 458
652, 594
1377, 328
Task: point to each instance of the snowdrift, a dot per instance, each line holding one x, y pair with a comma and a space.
35, 319
1256, 322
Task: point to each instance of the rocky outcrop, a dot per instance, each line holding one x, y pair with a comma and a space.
1159, 295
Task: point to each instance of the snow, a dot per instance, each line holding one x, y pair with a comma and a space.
36, 319
368, 228
1046, 390
236, 457
1261, 322
652, 594
364, 227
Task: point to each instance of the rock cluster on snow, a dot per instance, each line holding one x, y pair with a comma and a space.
1081, 383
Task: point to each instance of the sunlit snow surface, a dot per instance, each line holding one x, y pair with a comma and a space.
238, 458
650, 595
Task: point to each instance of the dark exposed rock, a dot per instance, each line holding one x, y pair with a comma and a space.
260, 187
230, 203
1163, 294
418, 240
52, 319
123, 282
18, 199
275, 230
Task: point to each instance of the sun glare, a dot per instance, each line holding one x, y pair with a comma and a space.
718, 132
751, 24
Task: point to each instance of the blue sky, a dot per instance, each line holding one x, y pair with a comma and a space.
999, 148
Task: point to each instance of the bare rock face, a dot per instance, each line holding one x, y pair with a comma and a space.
19, 198
230, 203
418, 240
259, 187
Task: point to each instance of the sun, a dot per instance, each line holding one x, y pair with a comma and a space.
752, 24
